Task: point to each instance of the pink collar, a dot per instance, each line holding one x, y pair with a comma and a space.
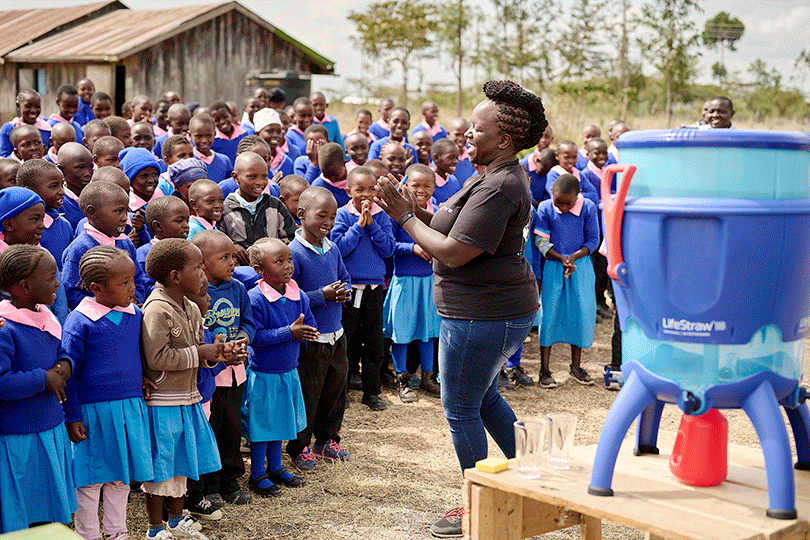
349, 166
237, 131
464, 155
613, 151
94, 311
440, 182
434, 130
158, 131
136, 202
70, 195
285, 147
207, 225
596, 170
577, 208
383, 124
41, 319
3, 245
337, 185
58, 118
47, 221
13, 156
40, 124
278, 157
53, 155
583, 152
208, 160
531, 165
102, 238
560, 170
369, 136
297, 130
291, 291
326, 119
354, 211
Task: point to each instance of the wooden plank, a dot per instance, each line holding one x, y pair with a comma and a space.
495, 514
650, 536
540, 518
591, 528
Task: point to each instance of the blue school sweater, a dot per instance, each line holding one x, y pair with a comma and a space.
302, 167
106, 355
219, 169
340, 194
140, 262
569, 232
592, 178
378, 131
450, 188
364, 249
275, 350
538, 181
77, 127
143, 234
228, 147
293, 152
230, 313
71, 211
83, 114
296, 139
58, 236
206, 377
70, 265
405, 262
26, 353
464, 170
6, 148
442, 134
332, 128
158, 148
247, 276
582, 161
374, 151
315, 268
585, 186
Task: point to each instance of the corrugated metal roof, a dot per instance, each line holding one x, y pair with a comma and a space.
21, 26
120, 34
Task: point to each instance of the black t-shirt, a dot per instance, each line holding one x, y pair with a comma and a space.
493, 213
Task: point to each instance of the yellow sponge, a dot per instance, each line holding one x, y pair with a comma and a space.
492, 465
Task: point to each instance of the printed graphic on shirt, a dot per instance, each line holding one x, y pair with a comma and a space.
221, 319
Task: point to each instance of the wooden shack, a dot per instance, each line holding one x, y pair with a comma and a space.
204, 53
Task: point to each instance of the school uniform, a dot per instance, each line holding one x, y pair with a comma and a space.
331, 125
230, 315
464, 169
198, 224
70, 208
140, 261
6, 148
436, 131
227, 145
322, 365
613, 153
295, 137
374, 151
247, 276
52, 156
291, 150
379, 129
83, 114
143, 235
244, 222
55, 119
337, 189
364, 251
593, 175
582, 159
445, 188
57, 236
369, 137
277, 411
91, 237
36, 474
303, 167
537, 181
569, 304
585, 186
218, 165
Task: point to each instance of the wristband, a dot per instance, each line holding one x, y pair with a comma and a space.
405, 218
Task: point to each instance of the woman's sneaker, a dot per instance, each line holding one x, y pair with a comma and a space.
546, 380
450, 525
332, 451
581, 376
518, 376
305, 461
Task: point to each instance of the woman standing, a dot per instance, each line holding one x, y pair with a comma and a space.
484, 288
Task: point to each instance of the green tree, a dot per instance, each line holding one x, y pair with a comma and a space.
519, 45
453, 28
722, 31
670, 39
580, 42
391, 30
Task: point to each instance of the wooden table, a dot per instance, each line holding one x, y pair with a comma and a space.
647, 496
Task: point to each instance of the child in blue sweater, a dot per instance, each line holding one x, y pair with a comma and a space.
207, 203
445, 161
228, 314
333, 173
410, 313
457, 132
228, 135
566, 155
283, 321
380, 128
567, 233
201, 128
67, 100
85, 112
302, 119
105, 412
76, 163
46, 180
269, 129
430, 112
168, 218
319, 116
257, 145
29, 107
364, 235
322, 366
105, 205
36, 476
307, 165
399, 120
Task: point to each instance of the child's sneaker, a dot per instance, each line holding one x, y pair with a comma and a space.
191, 520
546, 380
163, 534
185, 530
216, 500
581, 376
305, 461
204, 509
331, 451
450, 525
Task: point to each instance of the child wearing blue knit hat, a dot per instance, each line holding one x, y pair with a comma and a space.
142, 168
185, 172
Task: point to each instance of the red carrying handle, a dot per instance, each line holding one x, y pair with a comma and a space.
613, 210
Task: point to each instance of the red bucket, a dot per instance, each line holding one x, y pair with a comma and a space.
700, 455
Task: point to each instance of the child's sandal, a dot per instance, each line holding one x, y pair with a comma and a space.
293, 482
272, 491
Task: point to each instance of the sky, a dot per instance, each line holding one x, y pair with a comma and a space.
776, 31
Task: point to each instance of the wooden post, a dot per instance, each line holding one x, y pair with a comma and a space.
495, 514
590, 528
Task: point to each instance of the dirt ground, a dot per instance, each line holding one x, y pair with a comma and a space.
405, 475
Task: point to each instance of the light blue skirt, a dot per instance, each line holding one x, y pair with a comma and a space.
36, 479
183, 443
117, 445
569, 304
409, 313
276, 409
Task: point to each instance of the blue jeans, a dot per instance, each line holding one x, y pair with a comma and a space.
471, 354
